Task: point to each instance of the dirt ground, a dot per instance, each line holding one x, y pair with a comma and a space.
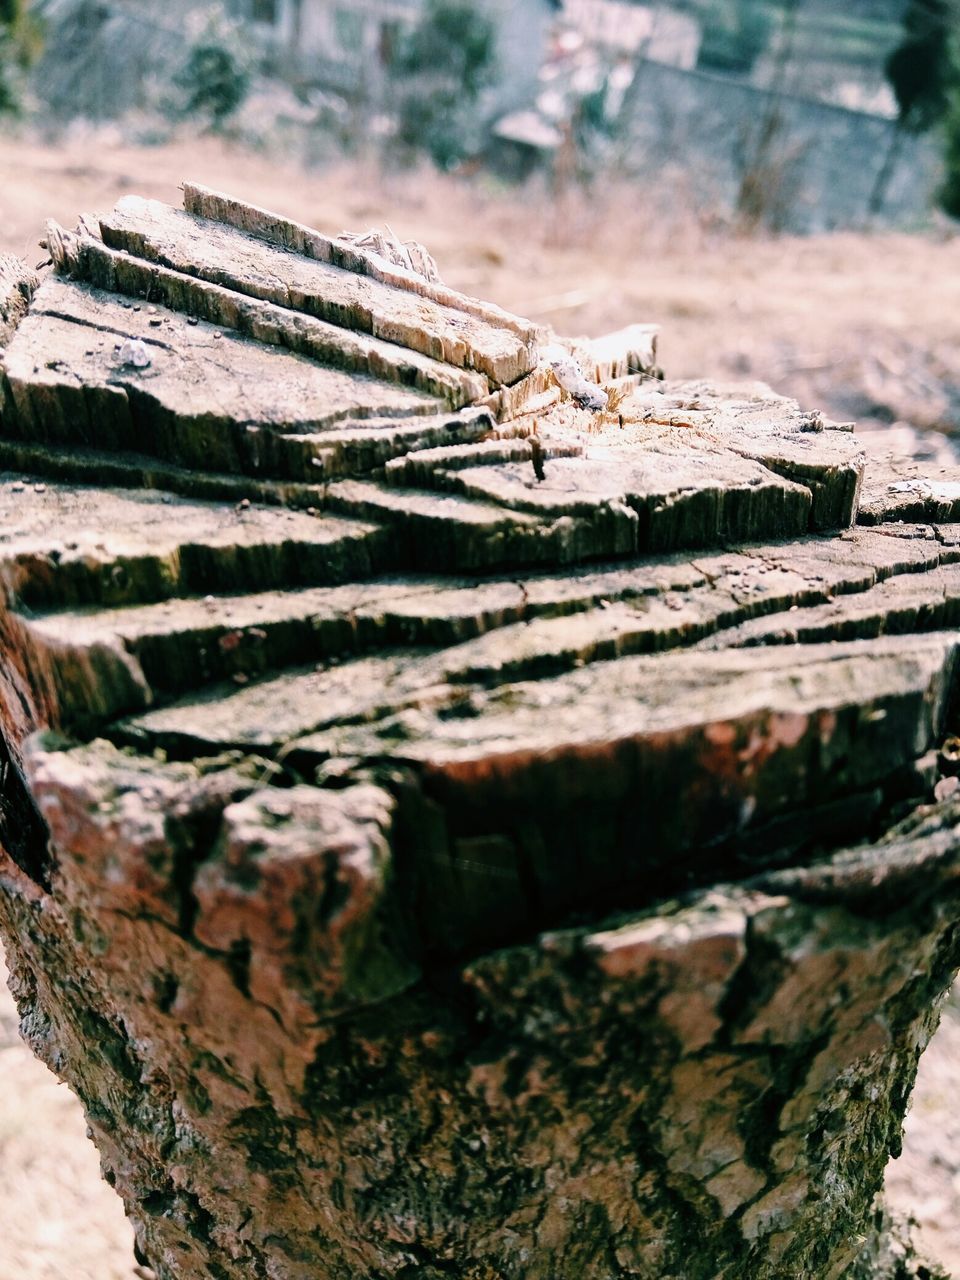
866, 326
58, 1221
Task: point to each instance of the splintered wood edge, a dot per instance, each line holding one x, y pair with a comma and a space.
62, 247
83, 255
215, 206
17, 286
632, 350
628, 351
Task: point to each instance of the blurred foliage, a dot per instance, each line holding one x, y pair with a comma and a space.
10, 92
441, 67
19, 45
950, 191
735, 33
216, 75
452, 39
922, 70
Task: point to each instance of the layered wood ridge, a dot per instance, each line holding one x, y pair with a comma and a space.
248, 516
359, 652
297, 516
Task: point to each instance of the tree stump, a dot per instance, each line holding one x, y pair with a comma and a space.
451, 831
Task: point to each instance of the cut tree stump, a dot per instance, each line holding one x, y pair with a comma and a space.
449, 831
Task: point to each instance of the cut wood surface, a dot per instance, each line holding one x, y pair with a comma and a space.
451, 831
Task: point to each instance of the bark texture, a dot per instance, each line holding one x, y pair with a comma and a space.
448, 831
17, 285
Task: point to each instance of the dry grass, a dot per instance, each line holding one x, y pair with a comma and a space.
856, 324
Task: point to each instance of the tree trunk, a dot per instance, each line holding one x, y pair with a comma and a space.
450, 831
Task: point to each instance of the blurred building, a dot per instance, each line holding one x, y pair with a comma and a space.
347, 45
586, 78
657, 32
583, 85
335, 45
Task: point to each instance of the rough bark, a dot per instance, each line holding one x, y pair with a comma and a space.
449, 832
17, 285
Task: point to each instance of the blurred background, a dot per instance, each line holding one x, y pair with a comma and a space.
775, 182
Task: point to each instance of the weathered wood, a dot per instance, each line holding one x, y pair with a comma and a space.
645, 1065
497, 631
899, 489
206, 399
449, 831
260, 223
231, 258
17, 285
90, 260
